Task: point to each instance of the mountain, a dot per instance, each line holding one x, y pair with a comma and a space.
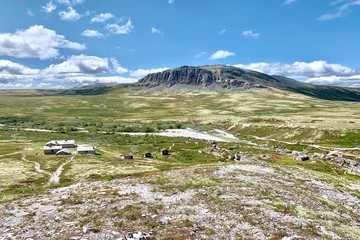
92, 89
225, 78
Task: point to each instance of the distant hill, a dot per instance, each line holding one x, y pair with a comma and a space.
92, 89
225, 78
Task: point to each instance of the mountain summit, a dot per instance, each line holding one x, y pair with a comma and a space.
225, 78
217, 77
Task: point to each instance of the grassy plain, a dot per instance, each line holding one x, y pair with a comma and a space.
271, 117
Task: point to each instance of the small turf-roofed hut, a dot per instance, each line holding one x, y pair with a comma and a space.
127, 156
64, 151
148, 155
86, 150
63, 143
52, 150
164, 151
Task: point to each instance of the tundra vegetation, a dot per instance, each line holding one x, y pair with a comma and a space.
196, 192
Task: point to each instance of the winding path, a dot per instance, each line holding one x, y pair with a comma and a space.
54, 178
9, 154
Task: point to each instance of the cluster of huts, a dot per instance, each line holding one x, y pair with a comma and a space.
163, 152
62, 147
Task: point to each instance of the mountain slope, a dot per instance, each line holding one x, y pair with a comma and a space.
229, 78
321, 91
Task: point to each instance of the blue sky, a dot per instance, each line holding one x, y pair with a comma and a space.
66, 43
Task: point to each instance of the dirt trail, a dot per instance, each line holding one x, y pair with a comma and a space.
272, 139
37, 166
9, 154
54, 178
105, 151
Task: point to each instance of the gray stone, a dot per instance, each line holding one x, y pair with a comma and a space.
301, 157
354, 171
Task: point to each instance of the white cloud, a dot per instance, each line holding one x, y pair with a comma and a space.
15, 85
71, 2
222, 31
11, 72
250, 34
221, 54
79, 64
70, 15
171, 1
103, 17
199, 55
29, 12
311, 69
84, 79
15, 75
9, 67
49, 7
92, 33
287, 2
341, 81
76, 70
35, 42
156, 31
143, 72
342, 11
117, 29
316, 72
117, 68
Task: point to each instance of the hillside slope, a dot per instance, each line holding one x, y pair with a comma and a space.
224, 78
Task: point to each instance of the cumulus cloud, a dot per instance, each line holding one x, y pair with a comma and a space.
156, 31
35, 42
221, 54
71, 2
143, 72
341, 11
70, 15
98, 79
15, 75
92, 33
9, 67
250, 34
79, 64
80, 69
103, 17
123, 29
4, 85
316, 72
117, 68
311, 69
341, 81
49, 7
287, 2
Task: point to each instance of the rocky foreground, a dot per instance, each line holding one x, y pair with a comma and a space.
247, 200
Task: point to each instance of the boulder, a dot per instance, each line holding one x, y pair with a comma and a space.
354, 171
236, 156
139, 236
302, 157
319, 155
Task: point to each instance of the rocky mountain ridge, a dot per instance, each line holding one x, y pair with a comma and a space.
223, 78
219, 76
